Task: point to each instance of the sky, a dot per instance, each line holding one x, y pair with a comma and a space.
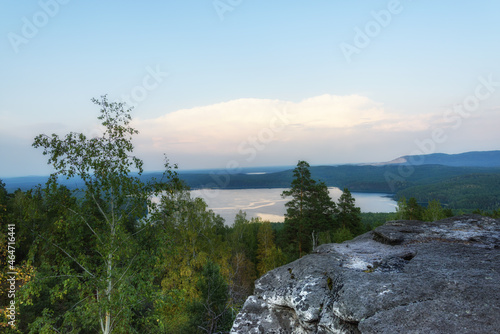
237, 83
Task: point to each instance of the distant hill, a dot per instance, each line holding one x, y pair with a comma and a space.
467, 159
28, 182
381, 177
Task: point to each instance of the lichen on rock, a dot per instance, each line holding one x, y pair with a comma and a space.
405, 276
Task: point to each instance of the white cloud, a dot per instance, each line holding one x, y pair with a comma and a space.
325, 129
209, 127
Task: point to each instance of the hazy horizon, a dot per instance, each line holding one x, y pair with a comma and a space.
245, 170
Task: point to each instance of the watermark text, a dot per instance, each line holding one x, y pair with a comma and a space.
31, 26
11, 280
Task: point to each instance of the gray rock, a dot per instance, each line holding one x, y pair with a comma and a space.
403, 277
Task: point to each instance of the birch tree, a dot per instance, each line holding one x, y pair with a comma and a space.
113, 205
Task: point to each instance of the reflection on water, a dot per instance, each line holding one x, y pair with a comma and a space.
268, 204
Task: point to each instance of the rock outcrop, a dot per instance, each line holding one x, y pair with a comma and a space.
403, 277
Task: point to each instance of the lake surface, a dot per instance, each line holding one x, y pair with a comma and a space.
268, 204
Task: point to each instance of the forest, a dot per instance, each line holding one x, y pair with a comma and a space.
464, 192
107, 258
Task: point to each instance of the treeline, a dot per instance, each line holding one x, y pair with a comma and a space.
466, 192
433, 210
386, 179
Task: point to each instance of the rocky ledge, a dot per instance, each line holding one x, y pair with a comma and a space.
402, 277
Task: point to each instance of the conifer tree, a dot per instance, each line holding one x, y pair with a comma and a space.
349, 215
310, 211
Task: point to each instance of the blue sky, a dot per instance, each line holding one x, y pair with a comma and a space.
253, 83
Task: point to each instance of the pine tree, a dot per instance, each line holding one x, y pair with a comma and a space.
310, 211
349, 215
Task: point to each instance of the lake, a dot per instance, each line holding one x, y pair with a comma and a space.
268, 204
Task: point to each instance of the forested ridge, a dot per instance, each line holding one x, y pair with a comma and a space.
465, 192
355, 177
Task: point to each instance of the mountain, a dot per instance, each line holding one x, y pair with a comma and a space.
467, 159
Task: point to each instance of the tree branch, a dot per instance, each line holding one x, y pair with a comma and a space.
82, 217
100, 209
121, 277
67, 254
